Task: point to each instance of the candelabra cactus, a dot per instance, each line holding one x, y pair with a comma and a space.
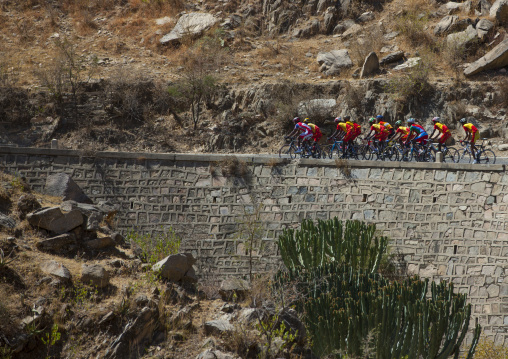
352, 242
343, 306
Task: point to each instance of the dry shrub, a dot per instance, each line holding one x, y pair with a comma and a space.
243, 342
128, 96
270, 49
412, 25
412, 86
231, 166
371, 41
344, 167
487, 349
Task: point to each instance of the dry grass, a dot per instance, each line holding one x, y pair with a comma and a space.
231, 166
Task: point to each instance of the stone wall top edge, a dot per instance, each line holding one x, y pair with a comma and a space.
250, 158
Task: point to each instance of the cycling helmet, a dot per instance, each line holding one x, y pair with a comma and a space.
296, 119
411, 120
379, 117
306, 120
398, 123
462, 120
372, 120
347, 118
337, 119
436, 119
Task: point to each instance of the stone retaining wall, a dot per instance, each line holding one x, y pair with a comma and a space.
446, 221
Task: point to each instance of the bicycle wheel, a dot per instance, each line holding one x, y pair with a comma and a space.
292, 153
284, 150
487, 157
464, 156
355, 151
451, 155
391, 154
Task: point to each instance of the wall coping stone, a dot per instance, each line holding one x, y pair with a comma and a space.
251, 158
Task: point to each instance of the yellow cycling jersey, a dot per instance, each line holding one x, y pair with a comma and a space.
343, 126
312, 127
386, 124
440, 127
469, 127
350, 123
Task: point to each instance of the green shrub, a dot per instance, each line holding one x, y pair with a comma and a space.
157, 246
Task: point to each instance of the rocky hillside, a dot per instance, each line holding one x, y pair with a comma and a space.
70, 287
184, 76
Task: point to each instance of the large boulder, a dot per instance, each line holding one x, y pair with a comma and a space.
444, 24
56, 270
95, 275
456, 7
135, 332
499, 10
484, 28
494, 59
370, 65
234, 288
175, 267
465, 39
101, 242
411, 62
334, 62
392, 57
62, 185
53, 220
192, 24
318, 107
218, 327
55, 244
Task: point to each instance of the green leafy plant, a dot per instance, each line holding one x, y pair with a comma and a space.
157, 246
271, 329
51, 338
80, 295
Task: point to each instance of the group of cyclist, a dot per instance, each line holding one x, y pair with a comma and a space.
382, 132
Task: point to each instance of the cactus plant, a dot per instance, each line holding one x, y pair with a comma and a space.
352, 242
344, 305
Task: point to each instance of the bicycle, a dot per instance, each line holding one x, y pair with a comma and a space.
483, 155
373, 150
289, 148
418, 152
450, 154
351, 150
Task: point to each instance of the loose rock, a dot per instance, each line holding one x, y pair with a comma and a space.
53, 220
94, 275
370, 65
56, 270
62, 185
174, 267
494, 59
234, 287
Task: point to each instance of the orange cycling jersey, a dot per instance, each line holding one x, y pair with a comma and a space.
379, 128
441, 128
343, 126
386, 124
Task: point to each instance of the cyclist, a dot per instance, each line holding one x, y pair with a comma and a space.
377, 132
420, 135
402, 133
472, 134
442, 132
305, 133
344, 131
381, 121
316, 132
